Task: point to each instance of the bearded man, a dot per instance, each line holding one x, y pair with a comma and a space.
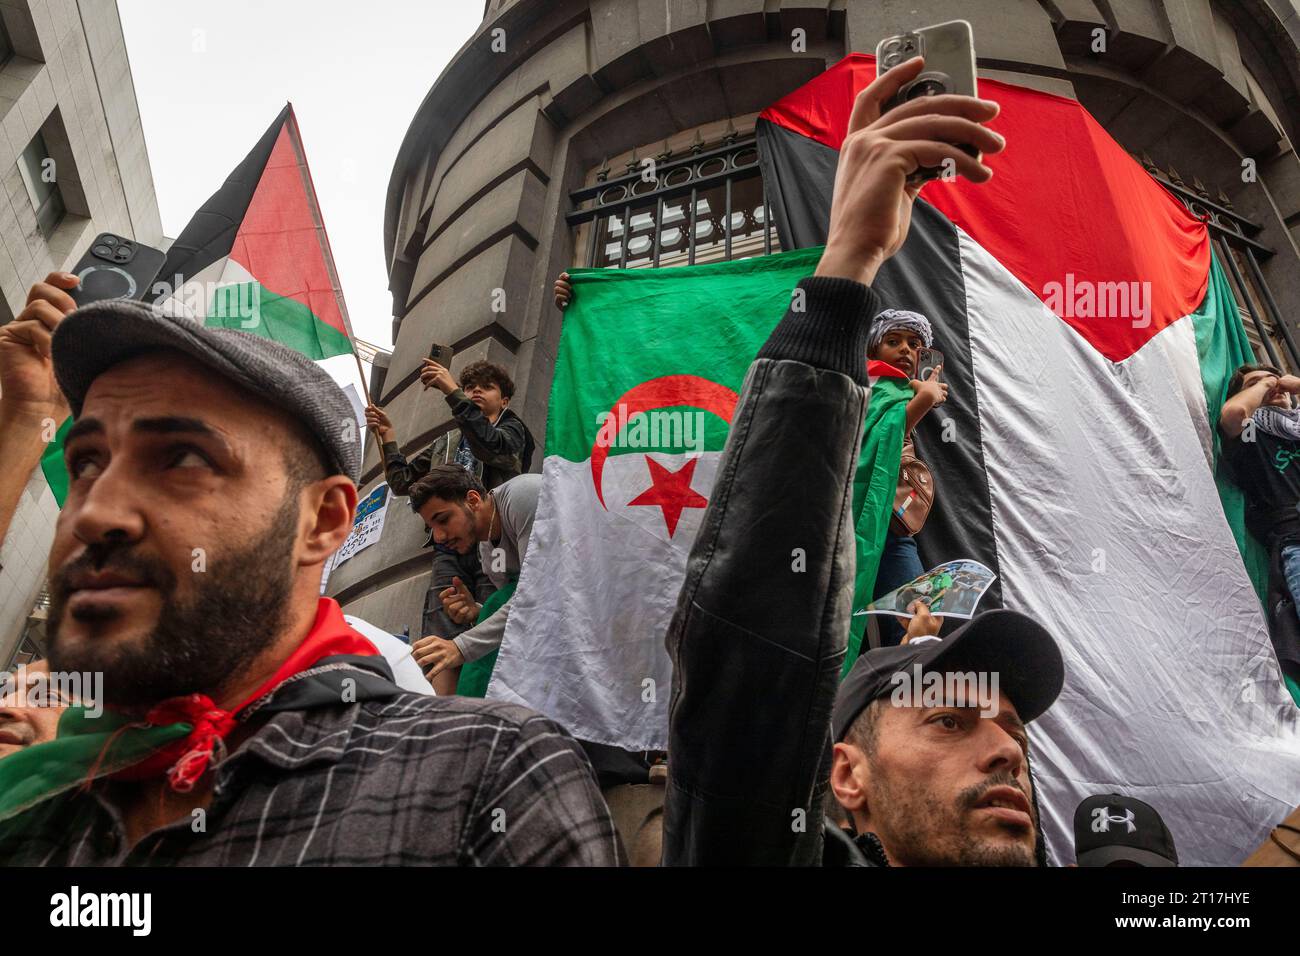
211, 474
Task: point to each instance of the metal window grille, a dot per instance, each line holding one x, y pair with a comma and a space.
707, 205
1233, 238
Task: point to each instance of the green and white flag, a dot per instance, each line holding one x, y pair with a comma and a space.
650, 366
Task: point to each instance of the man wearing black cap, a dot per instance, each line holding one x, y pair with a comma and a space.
931, 759
1114, 830
211, 474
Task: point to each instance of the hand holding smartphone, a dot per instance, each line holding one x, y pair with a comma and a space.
442, 355
949, 52
926, 361
115, 267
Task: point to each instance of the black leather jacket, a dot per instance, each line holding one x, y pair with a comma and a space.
762, 620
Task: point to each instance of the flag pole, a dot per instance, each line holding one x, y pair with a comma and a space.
365, 393
295, 137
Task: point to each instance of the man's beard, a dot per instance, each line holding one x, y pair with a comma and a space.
919, 834
471, 539
237, 611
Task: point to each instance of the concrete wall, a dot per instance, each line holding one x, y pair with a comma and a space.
70, 80
545, 90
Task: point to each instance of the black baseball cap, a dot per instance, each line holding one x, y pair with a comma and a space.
1112, 828
1007, 643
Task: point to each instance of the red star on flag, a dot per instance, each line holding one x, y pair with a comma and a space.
671, 491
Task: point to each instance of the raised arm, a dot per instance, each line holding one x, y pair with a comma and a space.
31, 405
762, 619
1240, 407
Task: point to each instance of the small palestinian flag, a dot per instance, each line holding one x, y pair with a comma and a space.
1088, 335
255, 257
650, 367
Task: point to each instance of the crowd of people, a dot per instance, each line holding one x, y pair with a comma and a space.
247, 721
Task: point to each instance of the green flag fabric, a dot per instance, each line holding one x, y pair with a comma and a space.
647, 379
475, 675
873, 493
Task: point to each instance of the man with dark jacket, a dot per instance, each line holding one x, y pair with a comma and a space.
756, 645
492, 443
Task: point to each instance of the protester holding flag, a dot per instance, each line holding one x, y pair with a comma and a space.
757, 644
31, 405
212, 474
462, 515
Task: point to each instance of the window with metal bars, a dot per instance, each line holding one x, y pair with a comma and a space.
707, 205
1232, 236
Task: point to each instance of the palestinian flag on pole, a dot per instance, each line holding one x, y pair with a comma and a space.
255, 257
1088, 335
650, 366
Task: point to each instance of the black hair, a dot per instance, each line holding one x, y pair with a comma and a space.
487, 373
1239, 376
448, 482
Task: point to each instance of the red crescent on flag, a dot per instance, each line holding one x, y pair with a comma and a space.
658, 393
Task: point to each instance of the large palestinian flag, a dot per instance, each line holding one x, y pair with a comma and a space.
255, 257
650, 367
1089, 334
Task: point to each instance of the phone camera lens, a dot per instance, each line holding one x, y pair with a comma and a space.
102, 251
122, 254
108, 240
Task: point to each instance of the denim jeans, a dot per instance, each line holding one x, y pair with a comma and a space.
447, 564
899, 563
1291, 571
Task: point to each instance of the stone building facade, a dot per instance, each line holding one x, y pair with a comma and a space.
486, 201
73, 164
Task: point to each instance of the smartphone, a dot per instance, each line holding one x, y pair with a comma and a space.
927, 359
115, 267
949, 51
442, 355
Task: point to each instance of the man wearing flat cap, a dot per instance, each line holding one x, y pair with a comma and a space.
246, 722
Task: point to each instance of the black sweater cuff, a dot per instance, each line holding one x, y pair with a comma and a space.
831, 331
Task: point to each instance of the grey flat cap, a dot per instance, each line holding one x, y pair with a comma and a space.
95, 338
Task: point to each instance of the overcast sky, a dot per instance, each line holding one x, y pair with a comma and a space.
211, 75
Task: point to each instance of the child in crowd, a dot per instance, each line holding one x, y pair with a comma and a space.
897, 336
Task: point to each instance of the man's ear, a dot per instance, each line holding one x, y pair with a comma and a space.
331, 504
844, 783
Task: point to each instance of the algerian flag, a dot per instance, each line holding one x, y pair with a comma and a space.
1088, 333
874, 486
650, 366
255, 257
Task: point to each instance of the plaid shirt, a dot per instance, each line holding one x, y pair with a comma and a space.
402, 781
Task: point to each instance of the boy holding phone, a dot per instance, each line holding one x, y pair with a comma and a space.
899, 338
492, 443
